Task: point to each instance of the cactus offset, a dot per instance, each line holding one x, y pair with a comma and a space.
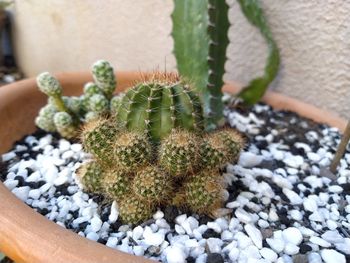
132, 210
178, 152
103, 74
65, 124
90, 175
151, 184
132, 149
203, 192
116, 183
158, 106
98, 138
45, 118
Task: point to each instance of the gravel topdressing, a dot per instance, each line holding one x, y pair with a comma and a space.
282, 204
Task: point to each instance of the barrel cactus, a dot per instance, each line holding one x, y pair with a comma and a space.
159, 154
160, 105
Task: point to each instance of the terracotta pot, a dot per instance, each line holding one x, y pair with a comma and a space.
26, 236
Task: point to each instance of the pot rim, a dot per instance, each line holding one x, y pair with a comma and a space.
27, 236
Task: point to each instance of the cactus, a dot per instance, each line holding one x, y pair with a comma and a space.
160, 105
90, 175
98, 138
132, 210
45, 118
116, 183
151, 184
132, 149
65, 124
220, 147
203, 192
103, 74
178, 152
94, 103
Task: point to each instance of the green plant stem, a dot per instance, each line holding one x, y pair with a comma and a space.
341, 149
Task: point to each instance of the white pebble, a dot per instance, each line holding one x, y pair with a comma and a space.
319, 241
335, 189
112, 242
292, 235
332, 256
92, 236
291, 249
180, 230
96, 224
294, 198
268, 254
215, 226
296, 215
137, 232
76, 147
243, 216
21, 192
138, 251
234, 254
254, 234
175, 254
248, 159
114, 212
34, 177
8, 156
276, 244
11, 184
310, 204
158, 215
153, 239
180, 219
34, 194
214, 245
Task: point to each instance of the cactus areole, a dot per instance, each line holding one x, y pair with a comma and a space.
160, 105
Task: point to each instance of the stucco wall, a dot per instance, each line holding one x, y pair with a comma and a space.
313, 36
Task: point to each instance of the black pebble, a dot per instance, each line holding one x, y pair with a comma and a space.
83, 225
204, 219
261, 144
43, 211
305, 248
170, 213
210, 233
190, 260
102, 241
346, 188
20, 180
215, 258
115, 226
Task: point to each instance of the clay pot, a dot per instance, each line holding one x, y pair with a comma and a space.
27, 236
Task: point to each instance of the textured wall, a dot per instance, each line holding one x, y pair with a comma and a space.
313, 35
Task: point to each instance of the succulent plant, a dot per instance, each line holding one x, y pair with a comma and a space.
152, 184
203, 192
98, 137
94, 103
159, 105
91, 175
178, 153
132, 149
133, 210
116, 183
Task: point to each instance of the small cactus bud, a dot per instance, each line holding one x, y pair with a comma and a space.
151, 184
65, 125
203, 192
45, 118
116, 183
178, 152
74, 104
132, 210
49, 85
91, 116
115, 104
98, 137
91, 89
90, 174
132, 149
104, 77
98, 103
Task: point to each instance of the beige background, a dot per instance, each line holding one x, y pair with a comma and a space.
313, 36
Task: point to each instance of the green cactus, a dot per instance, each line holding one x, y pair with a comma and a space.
115, 104
65, 124
160, 105
178, 152
132, 149
98, 137
90, 175
203, 192
45, 118
116, 183
151, 184
98, 104
104, 77
132, 210
52, 88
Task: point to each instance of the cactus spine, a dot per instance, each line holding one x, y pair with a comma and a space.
91, 175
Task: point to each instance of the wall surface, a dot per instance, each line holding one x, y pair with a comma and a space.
313, 36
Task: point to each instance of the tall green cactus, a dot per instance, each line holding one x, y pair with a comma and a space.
200, 32
201, 39
158, 106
